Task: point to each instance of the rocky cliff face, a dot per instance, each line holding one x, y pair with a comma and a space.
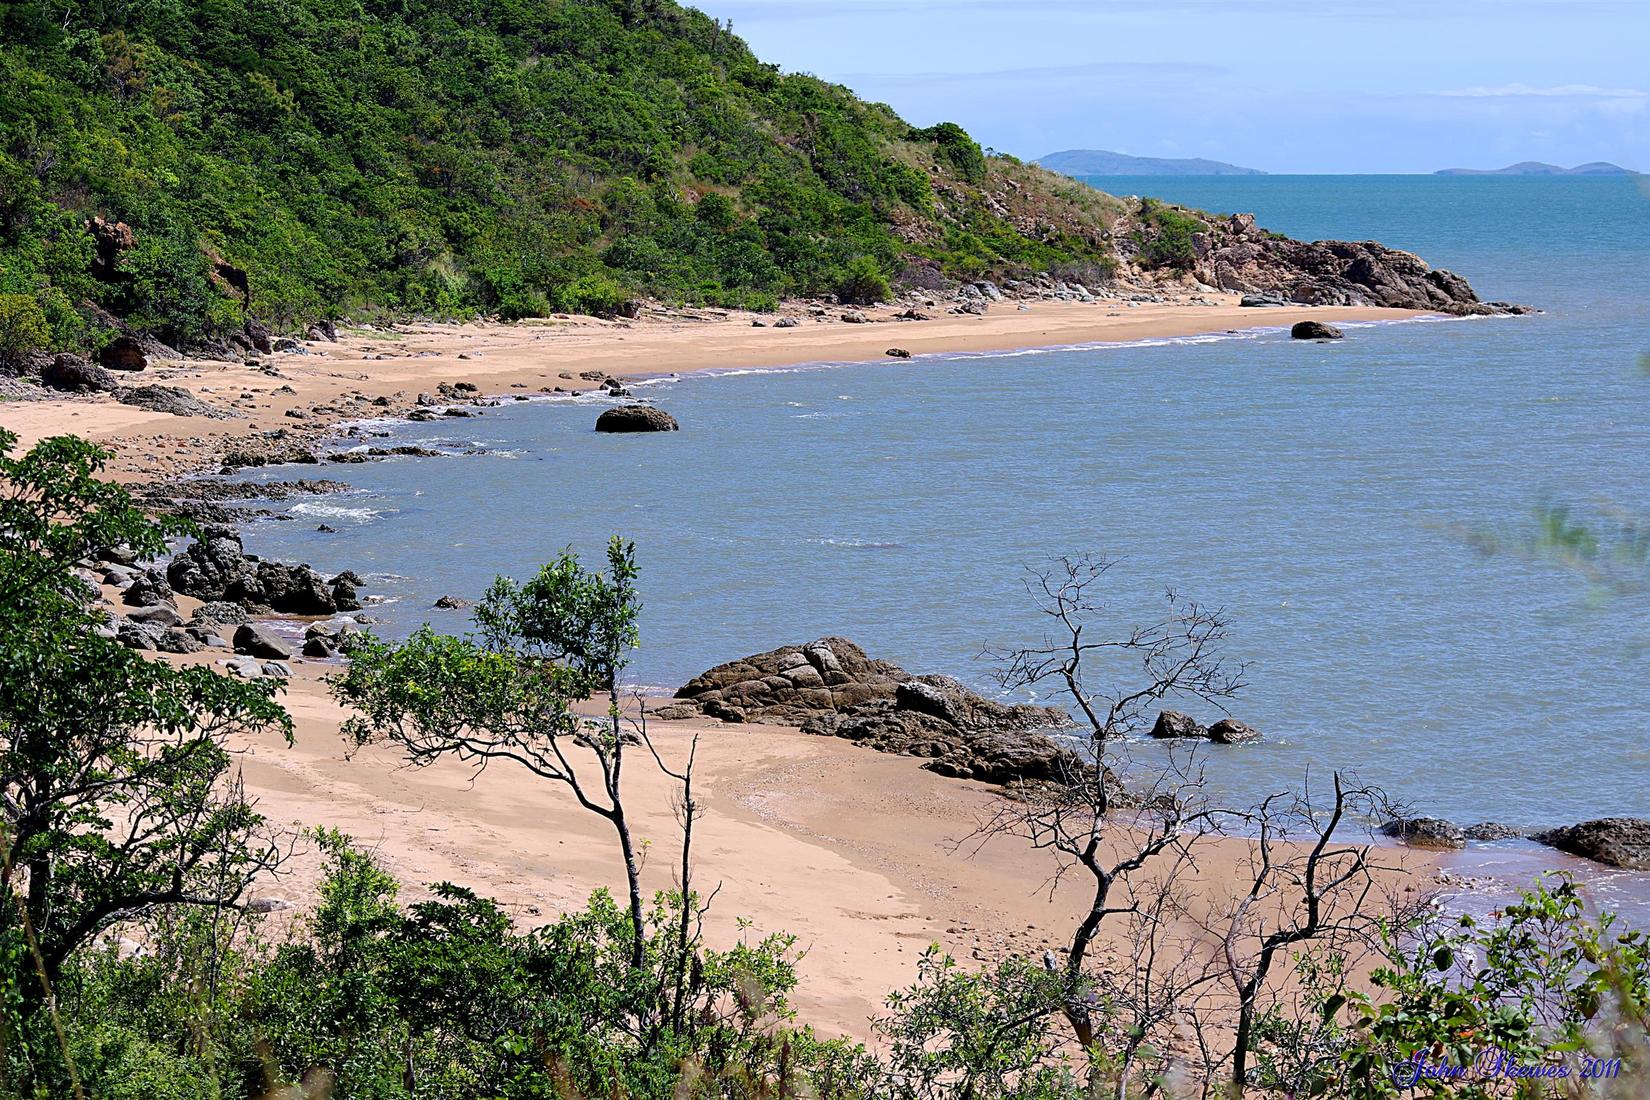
831, 687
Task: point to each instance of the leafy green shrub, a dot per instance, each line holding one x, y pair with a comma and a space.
955, 146
597, 295
23, 327
1166, 240
863, 283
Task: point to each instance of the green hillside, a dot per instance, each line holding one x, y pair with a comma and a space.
515, 157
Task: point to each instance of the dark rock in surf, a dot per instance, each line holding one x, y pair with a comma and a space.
1172, 725
1229, 731
1492, 830
1614, 841
636, 418
1314, 330
1425, 832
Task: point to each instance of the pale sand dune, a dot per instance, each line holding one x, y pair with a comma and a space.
526, 357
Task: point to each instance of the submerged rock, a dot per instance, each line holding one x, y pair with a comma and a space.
831, 687
636, 418
1492, 830
1614, 841
1425, 832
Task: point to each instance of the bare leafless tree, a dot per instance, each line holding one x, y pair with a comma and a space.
1179, 656
1088, 821
1315, 877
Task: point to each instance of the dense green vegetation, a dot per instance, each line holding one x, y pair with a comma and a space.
515, 157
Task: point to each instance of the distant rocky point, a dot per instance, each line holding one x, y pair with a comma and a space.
1538, 168
1100, 162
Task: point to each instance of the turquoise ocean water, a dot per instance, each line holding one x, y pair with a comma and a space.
1431, 537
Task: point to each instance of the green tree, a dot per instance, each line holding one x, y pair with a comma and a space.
559, 638
116, 789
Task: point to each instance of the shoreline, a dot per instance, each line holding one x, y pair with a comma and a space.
306, 396
851, 850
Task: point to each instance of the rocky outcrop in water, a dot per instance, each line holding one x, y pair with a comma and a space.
831, 687
1425, 832
1614, 841
636, 418
1315, 330
216, 568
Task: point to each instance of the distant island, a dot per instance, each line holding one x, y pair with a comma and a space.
1537, 168
1099, 162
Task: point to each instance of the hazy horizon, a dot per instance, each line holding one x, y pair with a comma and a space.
1266, 84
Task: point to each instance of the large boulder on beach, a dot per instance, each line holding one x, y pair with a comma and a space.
831, 687
1614, 841
1314, 330
257, 640
72, 374
174, 400
636, 418
1425, 832
123, 353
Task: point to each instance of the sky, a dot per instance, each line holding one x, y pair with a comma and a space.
1279, 85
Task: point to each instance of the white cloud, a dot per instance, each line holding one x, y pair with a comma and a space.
1557, 91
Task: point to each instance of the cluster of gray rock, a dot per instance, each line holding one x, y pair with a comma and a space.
831, 687
1613, 841
234, 586
215, 567
1171, 725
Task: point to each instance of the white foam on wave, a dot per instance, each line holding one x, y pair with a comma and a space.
856, 544
335, 511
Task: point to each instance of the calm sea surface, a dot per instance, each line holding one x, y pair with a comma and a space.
1430, 536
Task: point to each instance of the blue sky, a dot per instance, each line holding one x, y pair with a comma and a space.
1281, 85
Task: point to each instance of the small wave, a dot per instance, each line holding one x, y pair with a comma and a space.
335, 511
856, 544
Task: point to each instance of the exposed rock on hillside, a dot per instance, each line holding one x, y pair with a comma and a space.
831, 687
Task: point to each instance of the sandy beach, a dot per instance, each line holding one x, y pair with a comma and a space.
307, 393
853, 852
